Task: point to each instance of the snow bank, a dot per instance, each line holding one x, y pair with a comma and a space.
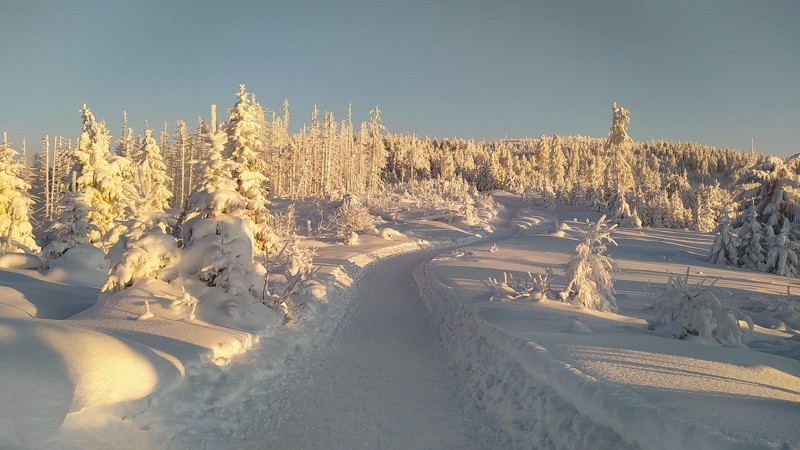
49, 370
540, 401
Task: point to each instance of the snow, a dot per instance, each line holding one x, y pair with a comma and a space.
370, 363
624, 384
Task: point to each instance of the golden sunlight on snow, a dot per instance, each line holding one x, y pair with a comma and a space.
665, 371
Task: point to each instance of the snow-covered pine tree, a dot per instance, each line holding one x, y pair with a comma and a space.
152, 177
245, 147
588, 271
71, 228
619, 175
782, 258
15, 204
769, 194
752, 237
217, 239
100, 178
710, 200
725, 251
375, 151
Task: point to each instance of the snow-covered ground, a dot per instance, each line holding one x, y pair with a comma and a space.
549, 374
372, 364
76, 372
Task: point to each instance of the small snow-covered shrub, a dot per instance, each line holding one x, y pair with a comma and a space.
510, 289
142, 252
351, 216
683, 309
285, 223
292, 271
590, 283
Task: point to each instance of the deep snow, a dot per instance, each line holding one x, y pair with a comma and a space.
374, 365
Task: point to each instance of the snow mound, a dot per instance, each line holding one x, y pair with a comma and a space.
578, 327
51, 370
390, 234
20, 261
83, 264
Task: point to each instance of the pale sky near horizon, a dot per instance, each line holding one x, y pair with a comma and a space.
716, 72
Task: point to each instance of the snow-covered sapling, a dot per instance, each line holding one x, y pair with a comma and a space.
509, 289
590, 283
294, 267
352, 216
683, 309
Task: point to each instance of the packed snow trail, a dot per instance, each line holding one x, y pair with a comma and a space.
384, 382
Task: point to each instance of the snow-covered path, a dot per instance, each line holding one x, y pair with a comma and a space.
383, 383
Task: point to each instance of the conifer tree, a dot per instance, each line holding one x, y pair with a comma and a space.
15, 205
724, 251
245, 146
153, 177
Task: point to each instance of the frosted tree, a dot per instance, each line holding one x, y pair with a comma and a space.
245, 147
782, 258
375, 151
99, 177
153, 177
71, 227
752, 238
619, 175
124, 145
144, 251
709, 202
769, 208
772, 189
588, 271
725, 251
15, 205
217, 239
623, 216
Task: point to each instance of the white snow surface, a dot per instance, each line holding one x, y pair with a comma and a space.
376, 362
547, 382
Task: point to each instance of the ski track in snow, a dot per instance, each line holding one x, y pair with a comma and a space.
384, 382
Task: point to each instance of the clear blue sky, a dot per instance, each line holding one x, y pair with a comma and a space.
716, 72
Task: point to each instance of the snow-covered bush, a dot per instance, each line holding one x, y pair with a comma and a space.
683, 309
352, 216
287, 278
144, 251
285, 223
590, 283
510, 289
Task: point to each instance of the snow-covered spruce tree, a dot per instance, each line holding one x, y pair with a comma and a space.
144, 251
152, 178
782, 258
769, 195
375, 151
15, 204
217, 238
684, 309
245, 147
619, 175
71, 227
752, 238
99, 178
725, 251
588, 271
710, 200
623, 216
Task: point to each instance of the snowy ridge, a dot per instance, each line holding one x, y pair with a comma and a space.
513, 379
